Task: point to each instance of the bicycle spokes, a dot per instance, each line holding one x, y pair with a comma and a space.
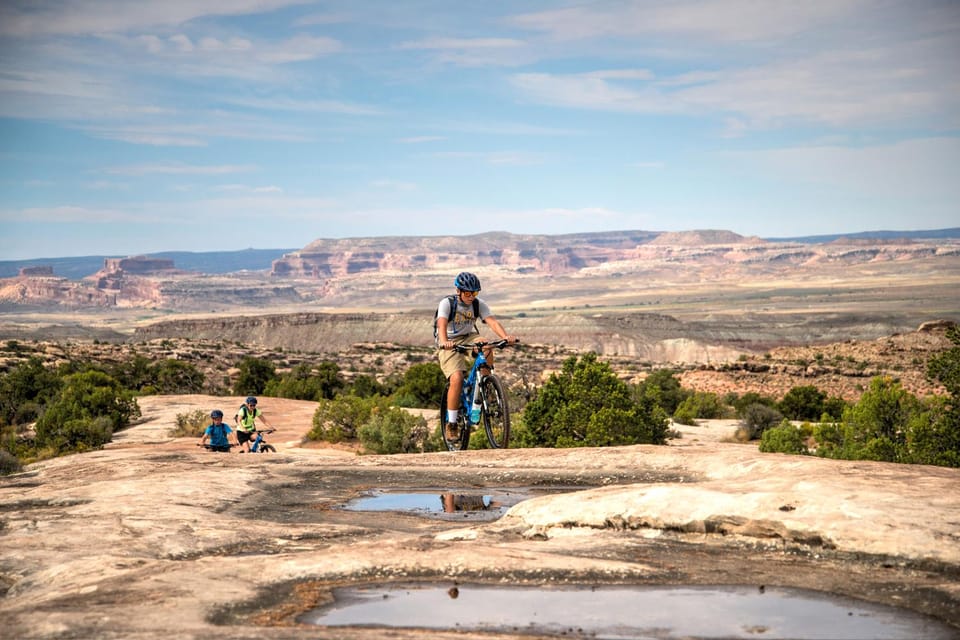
496, 415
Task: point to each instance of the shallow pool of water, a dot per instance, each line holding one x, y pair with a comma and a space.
449, 503
619, 612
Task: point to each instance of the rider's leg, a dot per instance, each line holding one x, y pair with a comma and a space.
488, 354
453, 393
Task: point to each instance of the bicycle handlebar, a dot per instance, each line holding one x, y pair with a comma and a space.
499, 344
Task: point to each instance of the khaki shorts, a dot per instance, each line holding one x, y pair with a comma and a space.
452, 361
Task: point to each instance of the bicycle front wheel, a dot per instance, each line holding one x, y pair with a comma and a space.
267, 448
496, 413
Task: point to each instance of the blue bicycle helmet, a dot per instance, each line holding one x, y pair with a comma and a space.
466, 281
216, 413
250, 400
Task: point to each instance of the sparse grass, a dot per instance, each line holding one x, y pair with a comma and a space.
191, 424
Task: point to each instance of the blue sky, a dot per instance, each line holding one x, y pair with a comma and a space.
135, 127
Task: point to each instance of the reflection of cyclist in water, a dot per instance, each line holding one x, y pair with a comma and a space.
453, 502
456, 324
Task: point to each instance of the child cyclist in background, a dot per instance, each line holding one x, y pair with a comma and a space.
246, 420
218, 433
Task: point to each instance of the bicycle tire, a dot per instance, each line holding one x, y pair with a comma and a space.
462, 440
496, 412
267, 448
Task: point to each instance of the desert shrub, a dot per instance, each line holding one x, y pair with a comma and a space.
699, 405
833, 408
365, 386
395, 431
9, 463
134, 373
888, 423
82, 434
757, 418
685, 415
663, 387
176, 376
307, 382
587, 405
254, 375
940, 440
802, 403
91, 402
932, 438
740, 403
27, 412
783, 438
25, 388
421, 386
341, 418
191, 423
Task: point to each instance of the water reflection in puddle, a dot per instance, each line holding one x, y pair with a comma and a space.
441, 504
616, 612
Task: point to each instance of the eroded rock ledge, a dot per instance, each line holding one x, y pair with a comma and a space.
151, 537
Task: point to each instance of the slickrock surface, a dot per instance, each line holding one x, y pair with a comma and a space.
155, 538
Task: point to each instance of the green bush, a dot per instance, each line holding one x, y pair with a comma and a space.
889, 424
740, 403
176, 376
699, 405
254, 375
9, 463
395, 431
757, 418
803, 403
83, 434
784, 438
421, 386
364, 386
307, 382
25, 389
341, 418
663, 387
587, 405
91, 401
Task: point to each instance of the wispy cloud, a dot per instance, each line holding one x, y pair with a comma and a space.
283, 103
74, 214
516, 158
472, 52
420, 139
731, 21
23, 18
179, 169
394, 185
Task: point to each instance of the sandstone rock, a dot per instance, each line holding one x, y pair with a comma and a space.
151, 538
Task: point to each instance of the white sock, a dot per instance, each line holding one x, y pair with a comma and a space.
452, 415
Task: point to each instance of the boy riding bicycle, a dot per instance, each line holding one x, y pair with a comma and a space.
456, 323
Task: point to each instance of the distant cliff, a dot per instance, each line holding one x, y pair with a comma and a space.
328, 258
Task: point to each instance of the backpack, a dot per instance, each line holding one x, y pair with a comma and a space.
453, 312
243, 412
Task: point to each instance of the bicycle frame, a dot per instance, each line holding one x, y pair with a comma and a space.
471, 384
488, 391
259, 445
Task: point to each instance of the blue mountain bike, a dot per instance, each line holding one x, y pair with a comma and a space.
485, 393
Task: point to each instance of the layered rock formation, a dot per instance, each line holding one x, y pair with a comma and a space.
551, 254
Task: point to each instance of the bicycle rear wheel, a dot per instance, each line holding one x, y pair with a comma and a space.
459, 438
496, 413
